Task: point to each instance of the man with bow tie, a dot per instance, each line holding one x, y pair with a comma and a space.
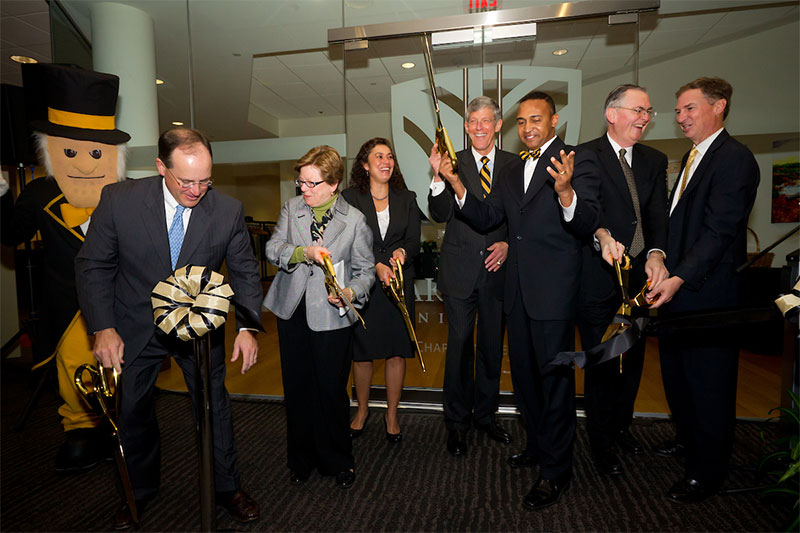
549, 200
82, 152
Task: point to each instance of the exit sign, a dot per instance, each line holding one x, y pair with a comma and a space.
476, 6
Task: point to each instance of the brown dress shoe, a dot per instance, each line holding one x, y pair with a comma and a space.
239, 505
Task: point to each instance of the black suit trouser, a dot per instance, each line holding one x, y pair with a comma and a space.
609, 394
315, 366
545, 393
472, 380
137, 417
700, 371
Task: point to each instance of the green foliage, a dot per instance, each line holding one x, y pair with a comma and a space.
784, 461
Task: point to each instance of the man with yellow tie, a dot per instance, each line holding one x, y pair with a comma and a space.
706, 242
82, 152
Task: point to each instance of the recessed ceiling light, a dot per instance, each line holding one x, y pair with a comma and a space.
23, 59
177, 123
409, 64
560, 52
159, 81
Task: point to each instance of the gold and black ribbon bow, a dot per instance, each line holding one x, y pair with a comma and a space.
191, 302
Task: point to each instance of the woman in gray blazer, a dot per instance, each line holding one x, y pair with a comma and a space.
314, 327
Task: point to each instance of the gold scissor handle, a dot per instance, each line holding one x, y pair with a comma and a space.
99, 387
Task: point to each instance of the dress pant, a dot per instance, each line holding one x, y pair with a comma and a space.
137, 417
315, 366
472, 381
545, 393
608, 394
700, 371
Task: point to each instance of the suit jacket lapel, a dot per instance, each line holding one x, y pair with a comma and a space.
337, 223
199, 224
472, 180
367, 206
154, 221
540, 174
699, 173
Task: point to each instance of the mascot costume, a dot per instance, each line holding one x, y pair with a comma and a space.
82, 152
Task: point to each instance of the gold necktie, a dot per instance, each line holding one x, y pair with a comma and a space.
525, 154
486, 180
685, 180
75, 216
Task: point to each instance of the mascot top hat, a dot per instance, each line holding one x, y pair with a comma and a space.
81, 104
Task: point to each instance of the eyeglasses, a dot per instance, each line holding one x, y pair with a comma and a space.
187, 184
309, 184
640, 110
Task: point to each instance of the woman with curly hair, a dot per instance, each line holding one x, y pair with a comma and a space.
378, 190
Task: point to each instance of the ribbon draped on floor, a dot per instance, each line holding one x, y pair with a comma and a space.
191, 302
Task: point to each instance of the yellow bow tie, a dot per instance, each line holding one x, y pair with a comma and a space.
525, 154
75, 216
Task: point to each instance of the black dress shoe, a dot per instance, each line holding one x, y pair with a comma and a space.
239, 505
546, 492
670, 448
393, 438
81, 450
606, 462
346, 479
457, 443
627, 443
522, 460
494, 431
354, 433
690, 490
297, 478
123, 518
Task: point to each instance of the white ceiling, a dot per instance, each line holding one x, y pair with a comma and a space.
274, 54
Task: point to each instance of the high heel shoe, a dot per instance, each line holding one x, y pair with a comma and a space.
393, 438
357, 432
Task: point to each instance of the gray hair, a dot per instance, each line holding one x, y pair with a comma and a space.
483, 101
40, 140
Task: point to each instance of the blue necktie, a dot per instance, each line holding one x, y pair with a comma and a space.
176, 235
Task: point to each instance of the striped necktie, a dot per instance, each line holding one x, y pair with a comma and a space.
637, 244
685, 180
486, 178
528, 154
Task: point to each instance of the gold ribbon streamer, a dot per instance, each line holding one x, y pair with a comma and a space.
789, 303
191, 302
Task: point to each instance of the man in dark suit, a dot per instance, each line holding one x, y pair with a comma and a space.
633, 200
136, 239
471, 274
549, 210
709, 208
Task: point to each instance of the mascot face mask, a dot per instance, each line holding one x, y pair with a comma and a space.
82, 168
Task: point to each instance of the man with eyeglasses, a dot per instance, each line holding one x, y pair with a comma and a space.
137, 239
633, 219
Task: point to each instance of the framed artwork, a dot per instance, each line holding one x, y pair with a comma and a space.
786, 190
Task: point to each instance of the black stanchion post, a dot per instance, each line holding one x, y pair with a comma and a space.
205, 432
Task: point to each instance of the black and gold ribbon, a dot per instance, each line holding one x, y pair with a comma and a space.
191, 302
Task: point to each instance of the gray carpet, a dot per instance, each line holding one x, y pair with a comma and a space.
413, 486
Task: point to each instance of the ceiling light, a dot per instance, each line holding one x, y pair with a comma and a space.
408, 64
177, 123
159, 81
560, 52
23, 59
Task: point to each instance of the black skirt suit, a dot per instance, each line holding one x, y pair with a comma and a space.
386, 335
